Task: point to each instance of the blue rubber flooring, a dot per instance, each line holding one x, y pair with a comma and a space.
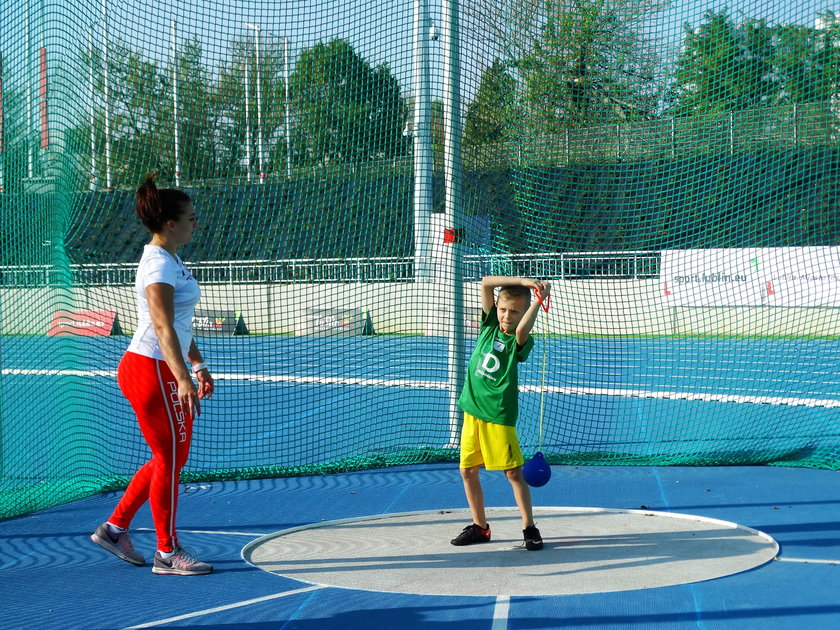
53, 576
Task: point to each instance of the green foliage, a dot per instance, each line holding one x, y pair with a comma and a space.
346, 110
726, 66
490, 115
588, 65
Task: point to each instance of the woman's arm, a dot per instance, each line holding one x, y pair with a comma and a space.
161, 299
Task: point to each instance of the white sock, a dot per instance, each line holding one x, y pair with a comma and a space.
114, 529
166, 554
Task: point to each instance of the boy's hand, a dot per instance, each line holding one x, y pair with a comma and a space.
543, 287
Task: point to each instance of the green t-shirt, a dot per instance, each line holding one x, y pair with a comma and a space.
491, 390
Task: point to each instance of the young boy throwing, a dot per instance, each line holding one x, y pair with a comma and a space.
490, 400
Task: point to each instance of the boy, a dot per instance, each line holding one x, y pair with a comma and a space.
490, 401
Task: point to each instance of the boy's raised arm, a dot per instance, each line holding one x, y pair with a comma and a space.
527, 323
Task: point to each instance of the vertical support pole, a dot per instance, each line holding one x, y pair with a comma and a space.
421, 135
260, 153
175, 111
91, 112
107, 95
247, 120
287, 114
2, 132
29, 89
453, 271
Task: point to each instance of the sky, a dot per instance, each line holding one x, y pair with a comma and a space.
379, 30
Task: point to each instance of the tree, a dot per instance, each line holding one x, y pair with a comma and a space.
345, 110
575, 62
589, 65
726, 67
490, 115
723, 67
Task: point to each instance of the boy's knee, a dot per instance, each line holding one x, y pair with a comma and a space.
514, 475
468, 474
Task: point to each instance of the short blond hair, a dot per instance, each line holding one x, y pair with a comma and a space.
514, 291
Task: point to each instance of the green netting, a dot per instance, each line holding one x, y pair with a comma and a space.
358, 166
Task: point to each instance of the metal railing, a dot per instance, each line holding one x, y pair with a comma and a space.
553, 265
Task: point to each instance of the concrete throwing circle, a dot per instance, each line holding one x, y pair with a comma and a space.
586, 550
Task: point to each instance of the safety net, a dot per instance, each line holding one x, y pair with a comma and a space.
358, 166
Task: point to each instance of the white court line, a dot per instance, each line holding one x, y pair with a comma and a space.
808, 561
204, 531
442, 385
210, 611
501, 613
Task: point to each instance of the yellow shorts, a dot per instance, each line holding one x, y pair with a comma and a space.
493, 445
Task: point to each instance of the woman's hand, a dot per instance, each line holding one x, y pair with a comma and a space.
206, 386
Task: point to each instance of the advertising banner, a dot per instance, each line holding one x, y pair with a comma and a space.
771, 276
211, 322
84, 324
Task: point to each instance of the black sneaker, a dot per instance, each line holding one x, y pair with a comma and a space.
472, 534
533, 540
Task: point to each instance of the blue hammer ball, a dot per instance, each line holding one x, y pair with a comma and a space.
536, 471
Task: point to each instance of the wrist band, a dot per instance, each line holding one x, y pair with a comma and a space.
199, 366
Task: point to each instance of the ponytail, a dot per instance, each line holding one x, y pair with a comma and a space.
156, 206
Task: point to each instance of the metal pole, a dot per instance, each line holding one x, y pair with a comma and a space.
30, 88
260, 160
107, 96
91, 113
247, 122
2, 130
287, 117
175, 103
422, 136
259, 112
453, 272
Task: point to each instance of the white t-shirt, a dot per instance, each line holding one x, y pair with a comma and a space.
157, 266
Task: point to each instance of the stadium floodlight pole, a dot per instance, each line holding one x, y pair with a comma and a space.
175, 112
2, 130
260, 160
287, 117
107, 95
453, 179
247, 122
422, 142
91, 112
30, 88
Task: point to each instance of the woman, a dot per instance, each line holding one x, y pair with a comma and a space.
153, 376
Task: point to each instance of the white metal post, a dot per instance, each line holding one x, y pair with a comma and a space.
247, 121
260, 154
2, 131
287, 115
422, 143
175, 103
453, 272
91, 112
29, 89
107, 95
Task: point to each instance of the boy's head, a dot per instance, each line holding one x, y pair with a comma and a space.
511, 305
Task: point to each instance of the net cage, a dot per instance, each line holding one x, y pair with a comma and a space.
357, 167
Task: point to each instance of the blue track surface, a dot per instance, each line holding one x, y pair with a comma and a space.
52, 576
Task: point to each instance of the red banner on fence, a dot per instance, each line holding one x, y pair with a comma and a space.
84, 323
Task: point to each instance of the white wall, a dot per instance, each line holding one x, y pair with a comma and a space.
578, 307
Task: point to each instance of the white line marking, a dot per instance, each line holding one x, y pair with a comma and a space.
440, 385
210, 611
809, 560
203, 531
501, 612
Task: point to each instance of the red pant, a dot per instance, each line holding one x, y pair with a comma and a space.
153, 393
